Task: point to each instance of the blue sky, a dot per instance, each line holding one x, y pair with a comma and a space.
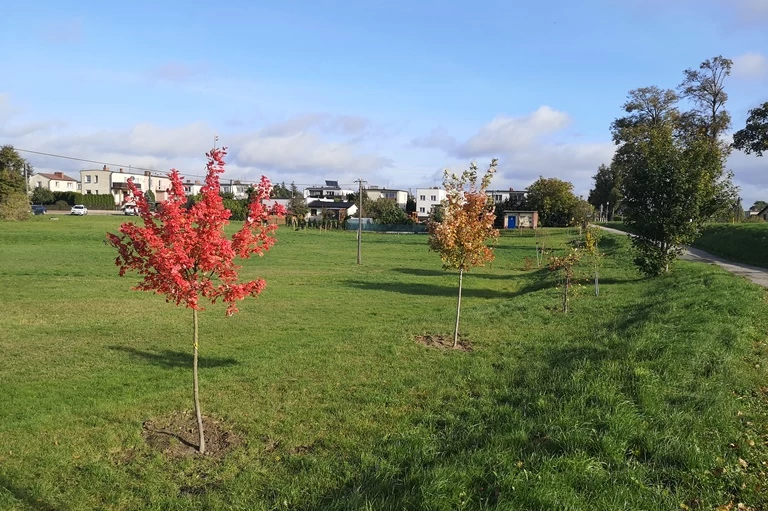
389, 91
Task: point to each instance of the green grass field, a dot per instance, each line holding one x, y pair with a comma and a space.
652, 396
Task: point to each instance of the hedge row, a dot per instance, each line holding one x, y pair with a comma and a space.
89, 201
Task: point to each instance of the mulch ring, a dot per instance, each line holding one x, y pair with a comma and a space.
176, 436
443, 342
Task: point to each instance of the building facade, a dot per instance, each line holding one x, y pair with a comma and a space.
427, 199
56, 182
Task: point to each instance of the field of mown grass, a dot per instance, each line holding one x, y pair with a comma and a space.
652, 396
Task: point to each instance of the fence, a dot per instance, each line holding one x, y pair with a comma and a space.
369, 226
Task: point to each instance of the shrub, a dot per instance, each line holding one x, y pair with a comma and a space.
14, 206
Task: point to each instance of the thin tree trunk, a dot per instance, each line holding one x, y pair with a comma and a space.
597, 283
458, 310
201, 434
565, 295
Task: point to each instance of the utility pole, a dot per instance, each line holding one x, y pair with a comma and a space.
360, 220
215, 139
26, 179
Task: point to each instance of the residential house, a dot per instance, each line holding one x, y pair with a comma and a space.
399, 196
337, 209
763, 213
238, 189
105, 181
514, 196
331, 190
56, 182
427, 199
193, 187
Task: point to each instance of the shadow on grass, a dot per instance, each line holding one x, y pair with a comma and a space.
25, 496
169, 359
427, 289
420, 272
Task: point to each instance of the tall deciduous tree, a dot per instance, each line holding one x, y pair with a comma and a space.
670, 185
753, 138
705, 87
461, 237
184, 254
607, 190
553, 199
297, 206
14, 203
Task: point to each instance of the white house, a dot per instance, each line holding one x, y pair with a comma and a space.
427, 199
56, 182
236, 188
515, 196
399, 196
331, 190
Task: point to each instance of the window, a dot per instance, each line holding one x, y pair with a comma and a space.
56, 184
422, 197
88, 179
433, 197
422, 210
39, 184
313, 212
497, 198
95, 179
87, 192
69, 186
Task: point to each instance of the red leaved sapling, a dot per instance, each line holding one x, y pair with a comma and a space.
184, 254
467, 224
566, 266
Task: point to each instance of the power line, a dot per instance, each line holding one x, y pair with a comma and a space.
131, 167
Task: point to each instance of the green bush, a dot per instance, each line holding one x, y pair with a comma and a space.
68, 197
239, 208
95, 201
14, 206
42, 195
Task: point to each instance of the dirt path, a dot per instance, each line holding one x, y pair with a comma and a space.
754, 273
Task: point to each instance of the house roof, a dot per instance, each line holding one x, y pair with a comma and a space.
762, 211
330, 205
56, 178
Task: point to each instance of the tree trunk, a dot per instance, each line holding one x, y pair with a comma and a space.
597, 283
201, 434
458, 310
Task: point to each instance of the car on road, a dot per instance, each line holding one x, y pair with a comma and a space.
38, 209
130, 210
78, 209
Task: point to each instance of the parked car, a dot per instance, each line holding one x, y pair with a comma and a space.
38, 209
130, 210
78, 209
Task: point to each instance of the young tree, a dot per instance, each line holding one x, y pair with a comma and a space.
184, 254
753, 138
297, 207
42, 195
566, 267
593, 253
467, 224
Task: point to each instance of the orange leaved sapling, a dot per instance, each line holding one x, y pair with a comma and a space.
184, 254
467, 224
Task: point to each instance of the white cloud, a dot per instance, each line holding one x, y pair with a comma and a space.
506, 134
750, 65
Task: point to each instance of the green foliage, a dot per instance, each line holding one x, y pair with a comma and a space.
758, 205
281, 192
582, 214
227, 195
42, 195
11, 160
238, 208
753, 138
297, 206
410, 205
629, 402
553, 199
386, 211
705, 88
565, 267
669, 192
150, 195
607, 190
98, 202
69, 197
14, 206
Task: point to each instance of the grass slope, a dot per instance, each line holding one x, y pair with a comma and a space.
647, 397
745, 243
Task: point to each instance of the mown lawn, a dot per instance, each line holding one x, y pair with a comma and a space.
651, 396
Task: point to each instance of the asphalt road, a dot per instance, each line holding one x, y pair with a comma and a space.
754, 273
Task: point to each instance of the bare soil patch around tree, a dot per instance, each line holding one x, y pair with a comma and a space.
176, 436
443, 342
